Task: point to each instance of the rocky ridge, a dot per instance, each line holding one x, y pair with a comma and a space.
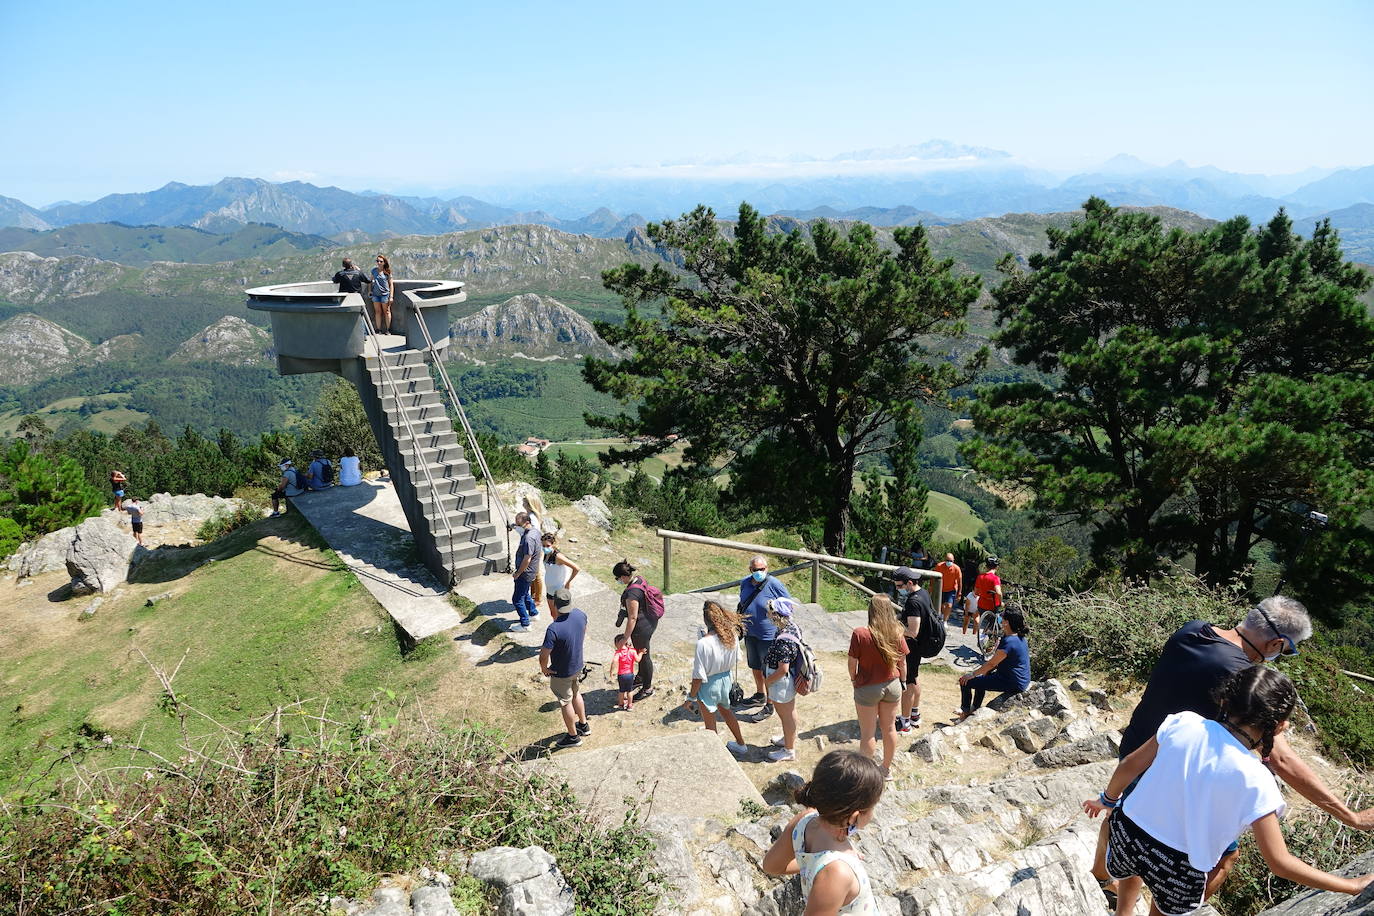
230, 340
37, 349
529, 326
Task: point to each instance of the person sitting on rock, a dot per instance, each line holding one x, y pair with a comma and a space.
1008, 671
319, 475
287, 486
839, 799
1198, 787
712, 667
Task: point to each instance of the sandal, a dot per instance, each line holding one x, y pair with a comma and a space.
1106, 885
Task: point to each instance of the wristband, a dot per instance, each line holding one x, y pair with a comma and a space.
1107, 802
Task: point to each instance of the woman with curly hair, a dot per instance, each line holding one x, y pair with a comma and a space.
382, 295
1193, 789
877, 667
715, 659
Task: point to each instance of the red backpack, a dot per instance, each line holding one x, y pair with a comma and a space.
653, 598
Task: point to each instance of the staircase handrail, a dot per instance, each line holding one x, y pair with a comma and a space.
414, 441
474, 449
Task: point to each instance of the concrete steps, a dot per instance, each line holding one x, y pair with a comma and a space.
446, 508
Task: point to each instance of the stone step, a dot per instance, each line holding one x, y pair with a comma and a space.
432, 424
398, 359
436, 457
415, 385
427, 440
391, 401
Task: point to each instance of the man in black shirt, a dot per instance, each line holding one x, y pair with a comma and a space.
914, 608
1193, 663
350, 279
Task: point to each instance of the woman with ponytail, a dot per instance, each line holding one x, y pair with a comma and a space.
877, 667
1193, 789
1008, 671
382, 294
839, 799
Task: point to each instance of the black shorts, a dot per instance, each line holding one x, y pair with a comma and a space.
1177, 887
913, 661
138, 527
626, 682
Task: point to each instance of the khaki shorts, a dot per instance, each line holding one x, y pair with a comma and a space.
873, 694
564, 689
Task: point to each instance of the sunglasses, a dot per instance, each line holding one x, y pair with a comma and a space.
1290, 648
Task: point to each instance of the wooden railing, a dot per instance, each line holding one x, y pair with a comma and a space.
815, 561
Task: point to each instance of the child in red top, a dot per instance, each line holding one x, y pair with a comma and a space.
624, 660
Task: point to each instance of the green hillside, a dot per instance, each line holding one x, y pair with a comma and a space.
243, 642
139, 246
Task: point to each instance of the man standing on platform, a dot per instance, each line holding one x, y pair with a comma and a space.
350, 279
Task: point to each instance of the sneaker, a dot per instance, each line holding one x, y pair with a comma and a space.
914, 718
782, 754
777, 741
643, 694
519, 628
904, 725
755, 700
766, 711
735, 748
568, 741
584, 728
533, 614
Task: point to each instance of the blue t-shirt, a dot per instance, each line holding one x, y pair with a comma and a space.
755, 612
564, 638
1017, 662
381, 284
530, 546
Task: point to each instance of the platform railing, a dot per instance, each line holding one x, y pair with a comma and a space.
474, 449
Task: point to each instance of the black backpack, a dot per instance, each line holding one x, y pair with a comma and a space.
326, 470
931, 639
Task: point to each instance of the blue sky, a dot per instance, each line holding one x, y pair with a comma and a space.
416, 96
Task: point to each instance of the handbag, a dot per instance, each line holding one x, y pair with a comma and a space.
736, 690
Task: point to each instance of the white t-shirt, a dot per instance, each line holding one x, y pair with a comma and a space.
350, 473
712, 657
555, 576
1203, 790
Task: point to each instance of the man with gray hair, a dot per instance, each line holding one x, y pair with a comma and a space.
754, 594
527, 557
1193, 663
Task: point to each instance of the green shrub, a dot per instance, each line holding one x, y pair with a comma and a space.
1344, 715
258, 821
1119, 628
222, 523
42, 493
10, 537
1312, 836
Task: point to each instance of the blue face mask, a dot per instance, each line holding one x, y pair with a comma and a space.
902, 593
758, 575
548, 551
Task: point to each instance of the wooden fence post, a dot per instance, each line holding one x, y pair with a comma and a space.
667, 563
815, 581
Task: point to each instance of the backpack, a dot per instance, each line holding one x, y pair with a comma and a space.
326, 471
653, 598
931, 639
806, 674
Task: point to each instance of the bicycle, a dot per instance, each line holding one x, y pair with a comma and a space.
989, 631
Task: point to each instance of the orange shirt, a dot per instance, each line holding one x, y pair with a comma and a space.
951, 575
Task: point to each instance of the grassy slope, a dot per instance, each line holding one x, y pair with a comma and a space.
276, 619
956, 517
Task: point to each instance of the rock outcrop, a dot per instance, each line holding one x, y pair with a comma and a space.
36, 349
527, 326
527, 879
99, 556
1326, 903
230, 340
28, 277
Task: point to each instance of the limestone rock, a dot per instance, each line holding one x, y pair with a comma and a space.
528, 326
734, 870
596, 511
387, 901
929, 748
1074, 730
90, 609
230, 340
1327, 903
99, 557
432, 900
47, 554
1031, 736
529, 881
1100, 699
1102, 746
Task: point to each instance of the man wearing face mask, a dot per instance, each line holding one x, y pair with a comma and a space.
754, 594
1193, 663
914, 607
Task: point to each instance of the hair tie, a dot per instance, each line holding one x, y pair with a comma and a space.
1105, 801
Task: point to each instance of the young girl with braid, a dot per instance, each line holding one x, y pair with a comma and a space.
1197, 786
839, 799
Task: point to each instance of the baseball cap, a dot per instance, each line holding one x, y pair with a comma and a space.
562, 598
905, 574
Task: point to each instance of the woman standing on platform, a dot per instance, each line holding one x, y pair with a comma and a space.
382, 295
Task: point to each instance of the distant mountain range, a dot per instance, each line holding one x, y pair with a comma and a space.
933, 183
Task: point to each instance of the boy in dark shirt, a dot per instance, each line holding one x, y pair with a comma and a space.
350, 279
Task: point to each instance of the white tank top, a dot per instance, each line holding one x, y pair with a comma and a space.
809, 864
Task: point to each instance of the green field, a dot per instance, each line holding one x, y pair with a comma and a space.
556, 414
108, 413
956, 518
245, 644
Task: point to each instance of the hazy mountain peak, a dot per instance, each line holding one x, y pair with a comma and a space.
528, 326
230, 340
